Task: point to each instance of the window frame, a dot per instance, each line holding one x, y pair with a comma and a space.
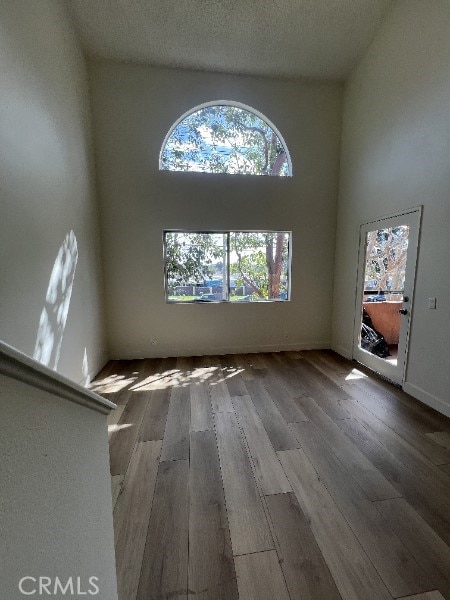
227, 232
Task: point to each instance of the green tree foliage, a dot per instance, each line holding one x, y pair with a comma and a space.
386, 254
262, 262
225, 139
257, 260
190, 257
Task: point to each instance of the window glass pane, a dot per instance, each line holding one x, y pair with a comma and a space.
237, 266
196, 266
385, 264
225, 139
259, 266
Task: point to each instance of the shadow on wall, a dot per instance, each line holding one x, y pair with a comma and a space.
57, 301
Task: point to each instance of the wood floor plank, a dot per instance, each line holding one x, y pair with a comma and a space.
312, 377
249, 528
137, 371
233, 372
330, 397
403, 409
406, 424
399, 570
431, 505
203, 371
410, 456
305, 570
398, 400
429, 549
442, 438
286, 404
132, 515
246, 370
335, 361
236, 385
220, 397
155, 417
267, 467
176, 436
185, 365
114, 416
260, 577
164, 572
211, 567
114, 378
374, 484
201, 412
293, 354
276, 427
116, 488
120, 398
352, 571
279, 368
316, 360
434, 595
387, 406
215, 364
123, 440
159, 375
113, 419
256, 360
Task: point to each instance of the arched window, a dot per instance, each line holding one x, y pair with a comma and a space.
225, 137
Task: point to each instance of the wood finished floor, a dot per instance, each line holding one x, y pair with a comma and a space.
294, 475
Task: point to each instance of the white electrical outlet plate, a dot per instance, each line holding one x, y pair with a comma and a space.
431, 302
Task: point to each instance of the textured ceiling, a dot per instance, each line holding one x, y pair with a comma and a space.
287, 38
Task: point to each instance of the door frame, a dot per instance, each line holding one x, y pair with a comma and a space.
396, 374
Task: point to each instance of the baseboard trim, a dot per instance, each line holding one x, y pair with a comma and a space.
427, 398
342, 351
130, 355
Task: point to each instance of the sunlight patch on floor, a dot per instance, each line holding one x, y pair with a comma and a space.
355, 374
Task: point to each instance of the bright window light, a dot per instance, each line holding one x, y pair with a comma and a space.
227, 266
225, 137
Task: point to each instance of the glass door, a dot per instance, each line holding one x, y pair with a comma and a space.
387, 264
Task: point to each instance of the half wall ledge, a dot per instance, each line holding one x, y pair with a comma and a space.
19, 366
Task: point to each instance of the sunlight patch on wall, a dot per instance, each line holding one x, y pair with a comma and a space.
57, 302
85, 368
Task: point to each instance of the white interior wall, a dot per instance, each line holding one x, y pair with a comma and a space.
133, 107
396, 155
55, 495
46, 191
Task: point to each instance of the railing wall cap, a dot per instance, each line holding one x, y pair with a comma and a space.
19, 366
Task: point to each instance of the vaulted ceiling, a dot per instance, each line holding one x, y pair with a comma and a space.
282, 38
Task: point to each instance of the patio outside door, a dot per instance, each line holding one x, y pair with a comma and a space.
385, 288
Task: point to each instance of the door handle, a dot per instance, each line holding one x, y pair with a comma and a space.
403, 311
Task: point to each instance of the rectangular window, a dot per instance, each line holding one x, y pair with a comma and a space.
227, 266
